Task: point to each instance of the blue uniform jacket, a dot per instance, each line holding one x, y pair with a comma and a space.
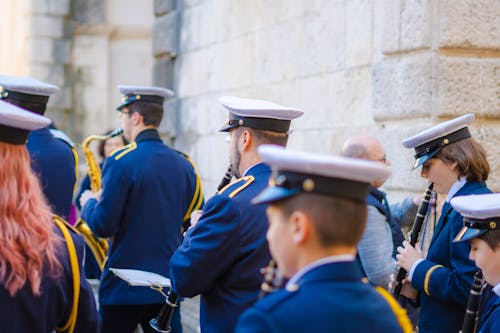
54, 163
28, 313
147, 190
330, 298
444, 278
489, 320
221, 256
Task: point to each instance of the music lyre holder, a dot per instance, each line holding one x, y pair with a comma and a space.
161, 323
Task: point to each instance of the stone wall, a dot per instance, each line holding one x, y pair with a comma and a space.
387, 67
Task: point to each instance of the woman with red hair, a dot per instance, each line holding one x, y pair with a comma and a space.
41, 287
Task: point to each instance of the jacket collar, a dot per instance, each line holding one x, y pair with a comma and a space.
148, 134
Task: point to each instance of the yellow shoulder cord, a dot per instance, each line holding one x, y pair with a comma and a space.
398, 311
198, 195
69, 326
75, 156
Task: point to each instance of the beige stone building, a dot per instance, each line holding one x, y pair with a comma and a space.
390, 67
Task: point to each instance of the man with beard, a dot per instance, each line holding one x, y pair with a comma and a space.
221, 256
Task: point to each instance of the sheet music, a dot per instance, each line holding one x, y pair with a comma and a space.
141, 278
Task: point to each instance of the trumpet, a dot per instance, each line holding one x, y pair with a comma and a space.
98, 246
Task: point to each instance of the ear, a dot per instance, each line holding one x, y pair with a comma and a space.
301, 227
246, 140
453, 166
136, 118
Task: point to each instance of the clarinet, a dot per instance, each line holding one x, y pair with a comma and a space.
471, 311
227, 178
161, 323
414, 233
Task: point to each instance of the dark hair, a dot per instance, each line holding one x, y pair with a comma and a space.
492, 238
470, 157
102, 143
337, 221
151, 113
265, 137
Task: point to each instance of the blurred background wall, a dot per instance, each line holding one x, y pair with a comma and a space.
387, 67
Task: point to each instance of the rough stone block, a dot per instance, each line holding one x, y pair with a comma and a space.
358, 34
54, 7
225, 73
89, 11
46, 26
283, 52
61, 100
165, 34
168, 125
470, 24
164, 6
51, 73
390, 22
468, 85
194, 67
488, 135
40, 50
163, 72
402, 87
61, 51
416, 18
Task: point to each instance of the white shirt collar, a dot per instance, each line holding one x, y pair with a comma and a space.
455, 188
496, 289
323, 261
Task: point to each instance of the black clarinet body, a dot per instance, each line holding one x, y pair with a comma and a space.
162, 321
227, 178
413, 237
471, 311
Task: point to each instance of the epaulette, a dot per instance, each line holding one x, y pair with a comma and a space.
122, 151
237, 186
62, 136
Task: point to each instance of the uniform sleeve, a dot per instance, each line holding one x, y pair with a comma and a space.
104, 216
253, 321
448, 284
375, 248
208, 249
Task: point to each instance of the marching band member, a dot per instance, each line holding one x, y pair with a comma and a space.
42, 285
481, 229
148, 188
456, 164
53, 159
317, 213
222, 254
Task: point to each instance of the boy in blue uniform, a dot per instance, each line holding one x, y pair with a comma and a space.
317, 214
481, 218
53, 159
40, 257
222, 254
148, 189
456, 164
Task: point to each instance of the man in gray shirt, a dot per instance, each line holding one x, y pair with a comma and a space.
377, 248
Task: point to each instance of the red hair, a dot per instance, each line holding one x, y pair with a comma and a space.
27, 239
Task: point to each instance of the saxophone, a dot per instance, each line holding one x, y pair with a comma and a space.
98, 246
